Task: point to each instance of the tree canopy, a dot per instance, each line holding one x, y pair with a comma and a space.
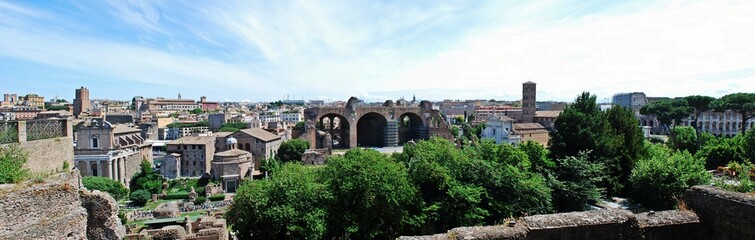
742, 103
290, 205
613, 139
147, 179
668, 111
292, 150
112, 187
663, 176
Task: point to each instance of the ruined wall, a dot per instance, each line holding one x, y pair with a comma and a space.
714, 214
50, 210
729, 215
57, 208
48, 155
102, 216
597, 224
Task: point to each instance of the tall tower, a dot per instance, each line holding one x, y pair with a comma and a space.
528, 102
81, 102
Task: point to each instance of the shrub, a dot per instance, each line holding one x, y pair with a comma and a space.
664, 175
200, 200
140, 197
180, 195
12, 160
217, 197
114, 188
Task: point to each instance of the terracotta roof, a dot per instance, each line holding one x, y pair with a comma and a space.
260, 134
194, 140
548, 114
232, 153
528, 127
119, 129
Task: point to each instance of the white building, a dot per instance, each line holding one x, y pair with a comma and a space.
292, 116
500, 128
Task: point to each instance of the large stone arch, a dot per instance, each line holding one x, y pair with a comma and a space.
411, 127
339, 128
371, 130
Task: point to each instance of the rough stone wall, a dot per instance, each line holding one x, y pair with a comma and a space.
671, 225
604, 224
57, 208
715, 214
49, 210
596, 224
729, 215
102, 216
48, 155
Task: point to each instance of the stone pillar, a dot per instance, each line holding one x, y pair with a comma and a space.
110, 169
332, 121
68, 127
353, 133
122, 170
21, 125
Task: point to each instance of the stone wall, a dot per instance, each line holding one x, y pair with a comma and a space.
102, 216
714, 214
596, 224
48, 155
57, 208
729, 215
50, 210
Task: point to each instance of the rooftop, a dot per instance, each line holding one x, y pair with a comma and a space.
260, 134
194, 140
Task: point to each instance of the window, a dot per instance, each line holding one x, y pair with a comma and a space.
193, 146
95, 142
200, 147
185, 147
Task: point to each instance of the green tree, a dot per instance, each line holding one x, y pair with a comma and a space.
748, 145
12, 160
577, 183
684, 139
613, 138
114, 188
578, 128
622, 146
459, 119
140, 197
372, 196
232, 127
668, 111
498, 174
292, 150
662, 177
290, 205
147, 179
701, 104
196, 111
455, 131
742, 103
537, 155
719, 151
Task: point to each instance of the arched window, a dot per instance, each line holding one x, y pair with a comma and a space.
248, 147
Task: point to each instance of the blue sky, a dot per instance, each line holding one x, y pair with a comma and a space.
376, 50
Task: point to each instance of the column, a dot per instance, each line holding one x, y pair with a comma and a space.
110, 169
332, 121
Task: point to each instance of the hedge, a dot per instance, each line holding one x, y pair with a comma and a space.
217, 197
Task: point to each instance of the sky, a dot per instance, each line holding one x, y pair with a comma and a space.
376, 50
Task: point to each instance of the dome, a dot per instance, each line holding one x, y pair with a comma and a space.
231, 141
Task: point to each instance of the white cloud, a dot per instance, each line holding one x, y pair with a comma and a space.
658, 51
